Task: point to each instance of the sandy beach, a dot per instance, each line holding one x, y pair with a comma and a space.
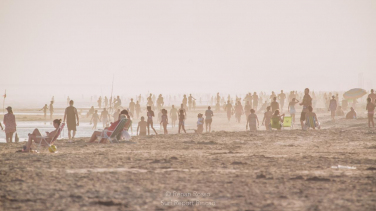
278, 170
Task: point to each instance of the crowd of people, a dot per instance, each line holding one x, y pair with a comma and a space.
272, 109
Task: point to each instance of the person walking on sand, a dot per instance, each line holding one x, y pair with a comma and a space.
71, 115
274, 105
164, 121
95, 119
104, 117
252, 119
281, 98
208, 119
150, 115
247, 109
238, 111
371, 111
181, 121
292, 109
10, 125
173, 115
45, 108
51, 109
307, 101
333, 107
228, 109
267, 118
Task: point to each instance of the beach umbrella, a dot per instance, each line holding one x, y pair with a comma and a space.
354, 94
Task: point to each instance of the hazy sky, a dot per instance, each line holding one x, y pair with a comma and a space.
70, 47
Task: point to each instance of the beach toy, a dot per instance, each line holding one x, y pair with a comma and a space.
353, 94
52, 148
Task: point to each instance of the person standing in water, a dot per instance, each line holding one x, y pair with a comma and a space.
94, 119
71, 116
132, 106
190, 101
185, 101
307, 101
105, 102
138, 109
51, 109
208, 119
104, 117
99, 102
150, 115
173, 115
10, 125
45, 108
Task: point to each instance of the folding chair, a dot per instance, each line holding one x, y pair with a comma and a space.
44, 141
287, 122
112, 135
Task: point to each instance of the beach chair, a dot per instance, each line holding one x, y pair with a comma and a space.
113, 134
44, 141
287, 122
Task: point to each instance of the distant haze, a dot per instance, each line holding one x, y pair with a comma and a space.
74, 48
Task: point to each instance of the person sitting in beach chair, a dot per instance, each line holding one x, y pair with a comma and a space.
113, 132
277, 120
44, 140
311, 119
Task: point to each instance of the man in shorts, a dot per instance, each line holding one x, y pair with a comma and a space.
307, 101
208, 118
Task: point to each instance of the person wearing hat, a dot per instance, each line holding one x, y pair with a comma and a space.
10, 124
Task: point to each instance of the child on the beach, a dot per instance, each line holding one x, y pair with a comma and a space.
94, 119
371, 111
142, 127
267, 117
251, 121
200, 124
311, 119
292, 108
164, 120
181, 120
150, 115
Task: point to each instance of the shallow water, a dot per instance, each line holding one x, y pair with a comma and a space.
84, 130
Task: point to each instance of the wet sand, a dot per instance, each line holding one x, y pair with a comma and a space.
279, 170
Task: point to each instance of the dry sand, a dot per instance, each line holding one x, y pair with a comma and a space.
278, 170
